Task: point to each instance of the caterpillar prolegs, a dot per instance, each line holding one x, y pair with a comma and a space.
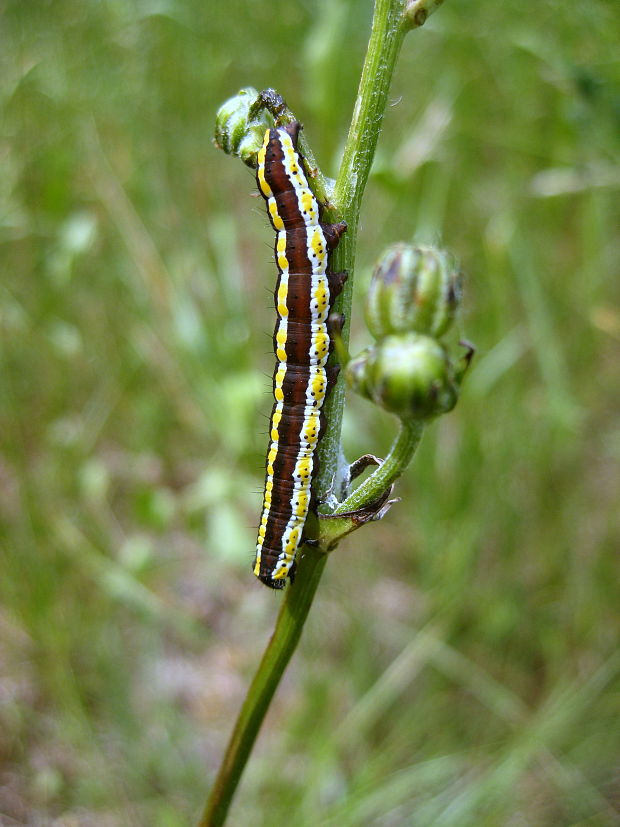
304, 294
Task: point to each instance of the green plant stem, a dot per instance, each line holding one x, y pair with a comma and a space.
388, 29
275, 659
289, 625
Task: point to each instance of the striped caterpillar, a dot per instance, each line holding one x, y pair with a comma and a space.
303, 296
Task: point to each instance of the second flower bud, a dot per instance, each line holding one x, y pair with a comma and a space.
410, 375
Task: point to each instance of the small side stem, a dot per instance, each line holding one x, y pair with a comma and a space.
401, 454
368, 499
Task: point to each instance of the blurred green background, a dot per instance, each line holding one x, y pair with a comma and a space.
461, 664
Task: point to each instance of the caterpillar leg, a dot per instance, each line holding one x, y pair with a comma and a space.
333, 232
269, 581
336, 282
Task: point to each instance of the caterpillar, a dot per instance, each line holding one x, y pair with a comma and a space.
304, 294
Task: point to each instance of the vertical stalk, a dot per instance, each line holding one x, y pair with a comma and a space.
388, 30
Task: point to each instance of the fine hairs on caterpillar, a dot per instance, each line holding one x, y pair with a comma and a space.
304, 295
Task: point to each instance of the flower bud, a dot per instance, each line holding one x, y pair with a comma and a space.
239, 128
410, 375
413, 289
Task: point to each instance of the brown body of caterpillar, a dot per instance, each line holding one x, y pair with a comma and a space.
304, 295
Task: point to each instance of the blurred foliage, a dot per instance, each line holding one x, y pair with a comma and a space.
461, 666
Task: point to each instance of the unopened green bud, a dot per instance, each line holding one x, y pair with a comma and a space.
409, 374
413, 289
239, 131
